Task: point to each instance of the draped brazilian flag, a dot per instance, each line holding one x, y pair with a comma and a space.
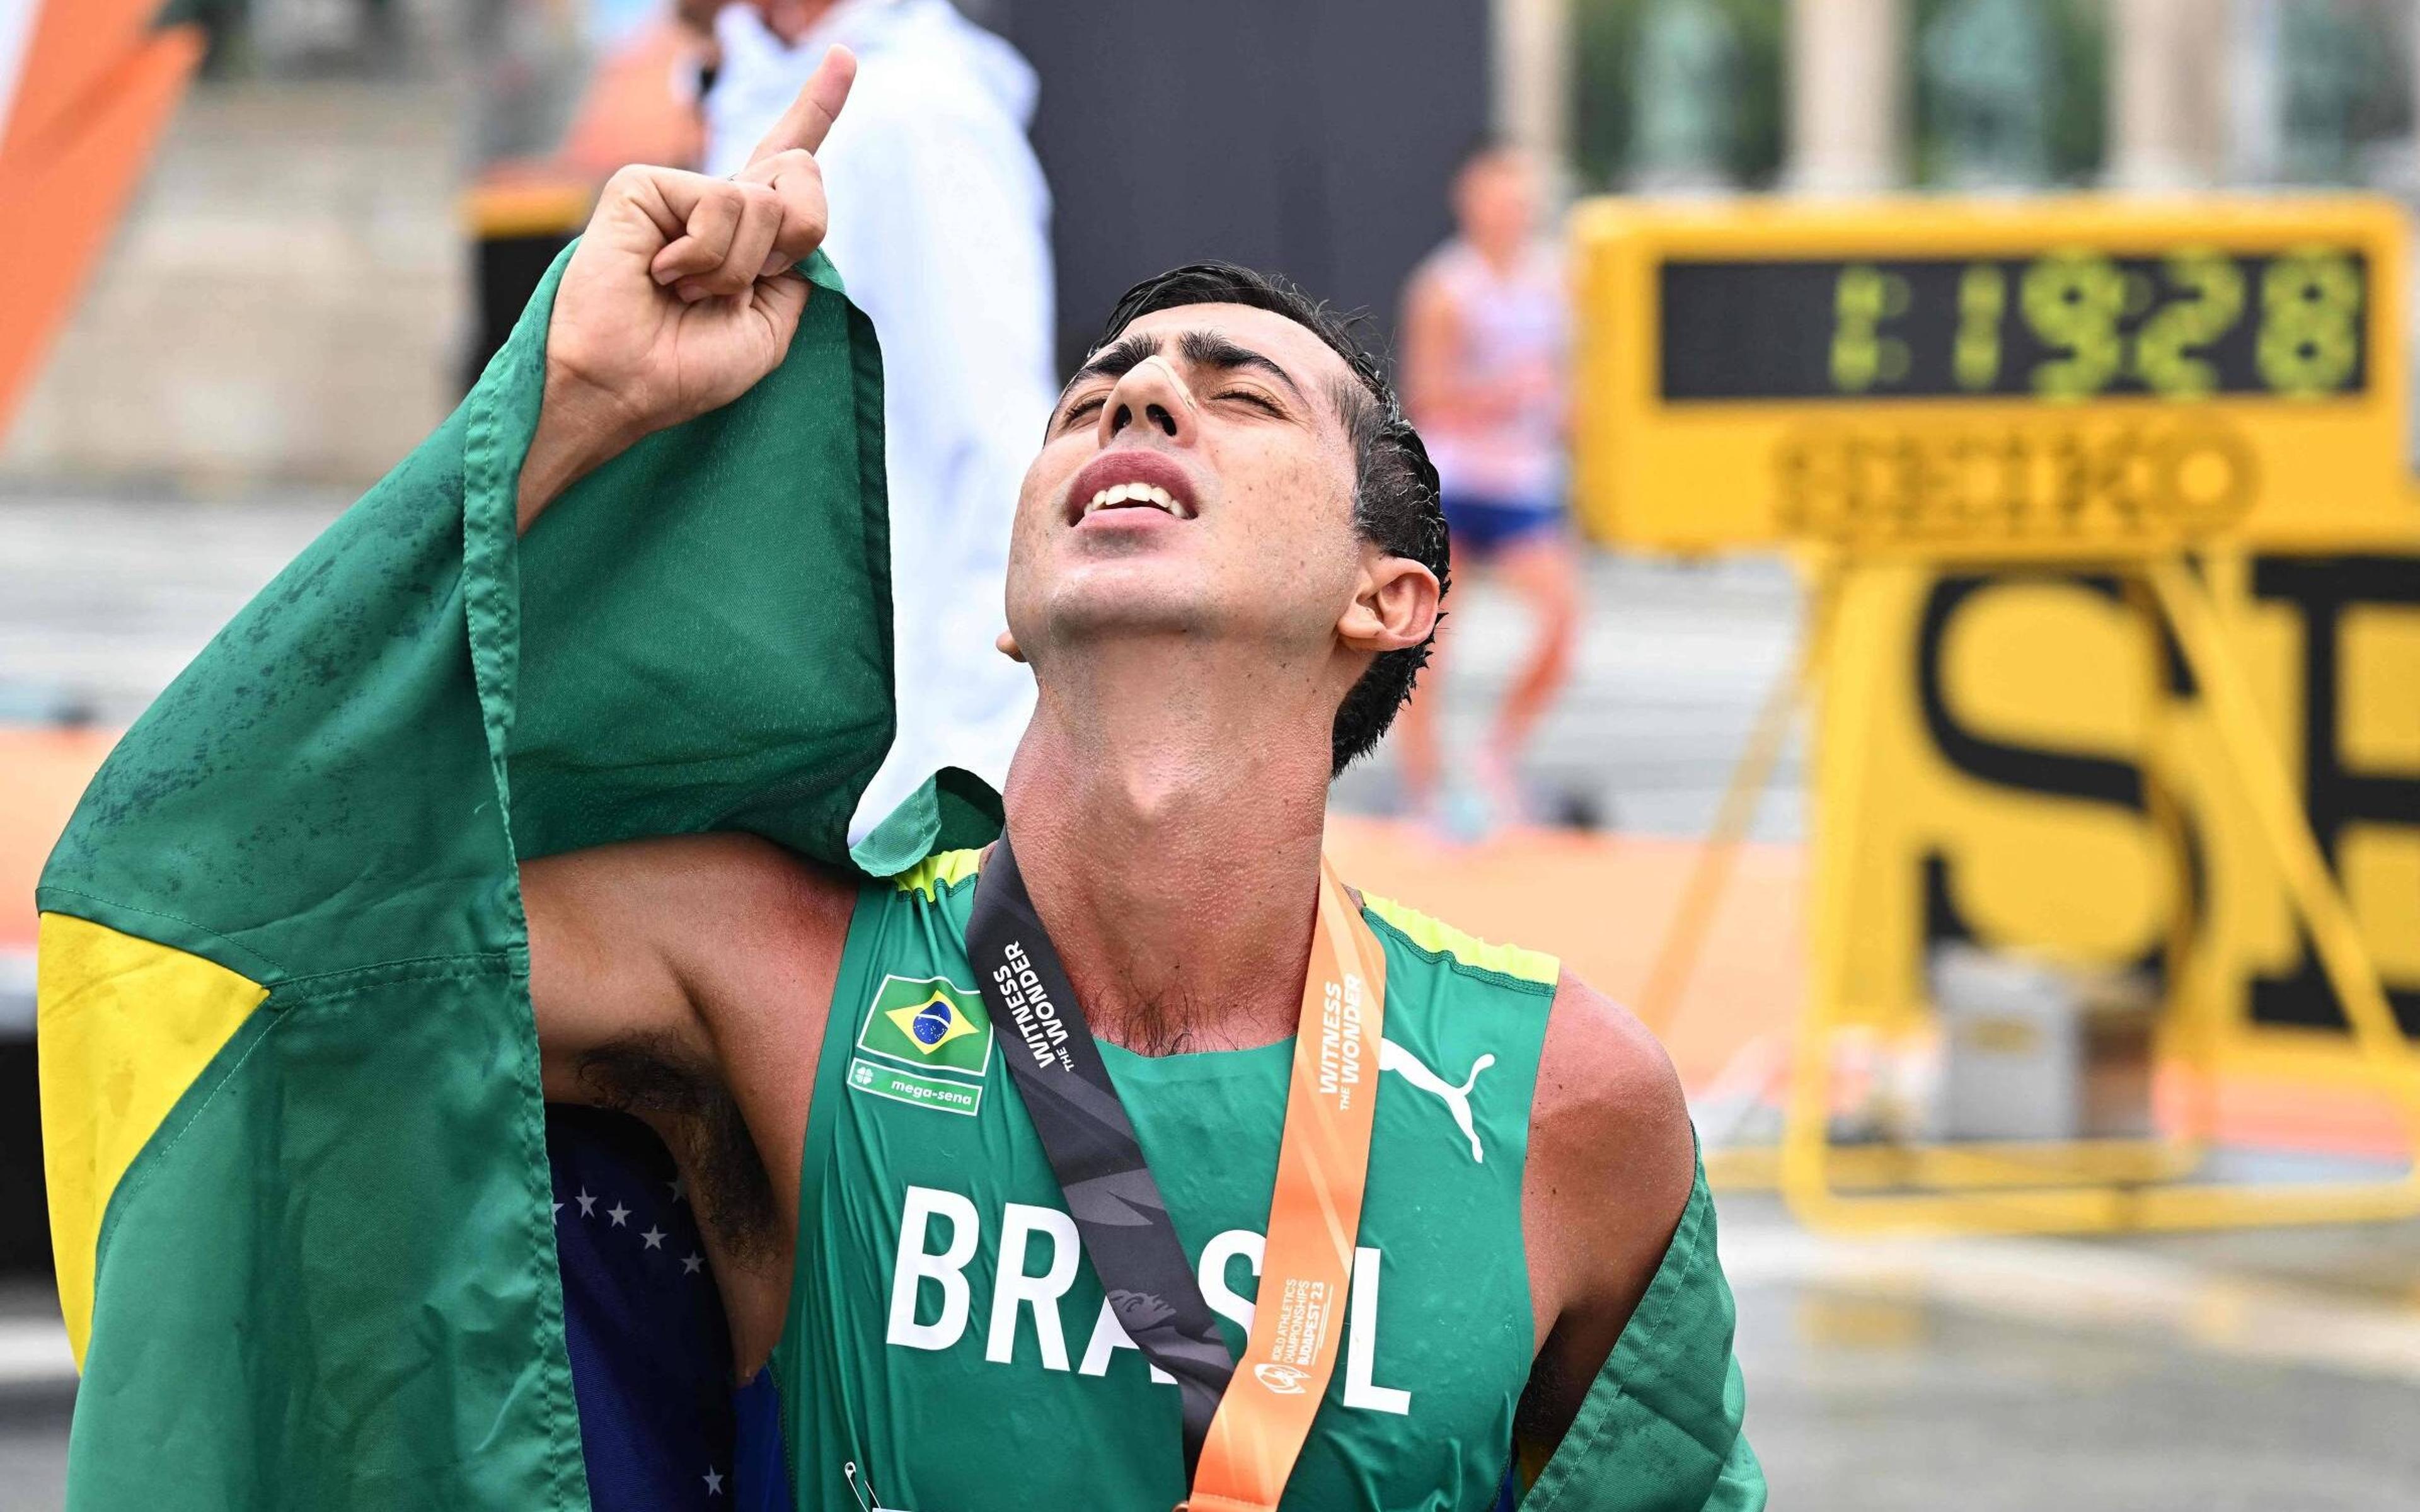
289, 1082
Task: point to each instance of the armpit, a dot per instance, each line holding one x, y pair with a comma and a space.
655, 1079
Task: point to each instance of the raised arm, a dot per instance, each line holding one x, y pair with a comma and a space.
686, 981
695, 956
681, 295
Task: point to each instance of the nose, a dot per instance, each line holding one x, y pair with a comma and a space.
1151, 393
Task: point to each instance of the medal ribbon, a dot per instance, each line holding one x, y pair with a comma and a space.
1314, 1219
1243, 1429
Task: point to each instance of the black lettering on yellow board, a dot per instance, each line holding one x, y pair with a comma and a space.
2041, 484
2319, 591
2083, 777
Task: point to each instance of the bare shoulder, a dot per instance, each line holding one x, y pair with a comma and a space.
1609, 1101
1612, 1160
1612, 1156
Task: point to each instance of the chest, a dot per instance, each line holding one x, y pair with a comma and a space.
1510, 322
947, 1300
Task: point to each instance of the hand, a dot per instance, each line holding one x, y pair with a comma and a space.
680, 296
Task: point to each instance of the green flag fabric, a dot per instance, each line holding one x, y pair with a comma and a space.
1660, 1429
290, 1091
291, 1108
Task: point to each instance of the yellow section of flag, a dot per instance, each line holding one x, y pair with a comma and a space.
124, 1027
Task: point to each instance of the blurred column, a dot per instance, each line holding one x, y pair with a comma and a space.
1683, 94
2255, 111
1533, 76
2167, 93
1990, 87
2334, 61
1847, 119
2410, 72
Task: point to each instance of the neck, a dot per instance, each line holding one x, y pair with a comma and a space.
1500, 255
1167, 812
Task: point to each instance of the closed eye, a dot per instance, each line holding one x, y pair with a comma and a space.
1260, 402
1080, 409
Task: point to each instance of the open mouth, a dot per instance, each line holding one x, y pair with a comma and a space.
1131, 478
1135, 496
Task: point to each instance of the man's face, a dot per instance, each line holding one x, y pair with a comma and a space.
1197, 479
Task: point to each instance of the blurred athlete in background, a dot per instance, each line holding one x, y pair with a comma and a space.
1485, 336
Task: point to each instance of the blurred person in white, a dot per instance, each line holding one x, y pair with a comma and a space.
1485, 343
941, 229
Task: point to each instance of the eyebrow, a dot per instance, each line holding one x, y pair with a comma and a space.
1200, 348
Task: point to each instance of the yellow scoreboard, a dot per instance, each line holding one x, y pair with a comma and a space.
1998, 379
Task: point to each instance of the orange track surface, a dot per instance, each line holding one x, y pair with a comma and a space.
42, 773
1602, 903
1598, 901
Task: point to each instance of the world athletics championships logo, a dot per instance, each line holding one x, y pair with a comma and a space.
930, 1023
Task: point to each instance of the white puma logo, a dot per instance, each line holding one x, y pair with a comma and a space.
1394, 1057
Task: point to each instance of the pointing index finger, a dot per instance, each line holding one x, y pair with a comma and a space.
811, 116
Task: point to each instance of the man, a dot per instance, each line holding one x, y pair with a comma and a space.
1225, 571
941, 226
1485, 347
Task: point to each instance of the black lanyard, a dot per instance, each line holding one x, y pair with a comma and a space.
1092, 1146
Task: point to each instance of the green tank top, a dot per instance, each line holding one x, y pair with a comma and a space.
947, 1337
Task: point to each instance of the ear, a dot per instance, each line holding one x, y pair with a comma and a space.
1007, 644
1394, 605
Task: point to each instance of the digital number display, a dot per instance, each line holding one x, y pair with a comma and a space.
2065, 326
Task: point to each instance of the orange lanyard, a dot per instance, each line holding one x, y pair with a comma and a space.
1314, 1219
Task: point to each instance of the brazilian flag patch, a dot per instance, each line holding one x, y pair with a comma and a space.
929, 1022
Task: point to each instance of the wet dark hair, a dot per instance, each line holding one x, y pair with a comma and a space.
1395, 485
